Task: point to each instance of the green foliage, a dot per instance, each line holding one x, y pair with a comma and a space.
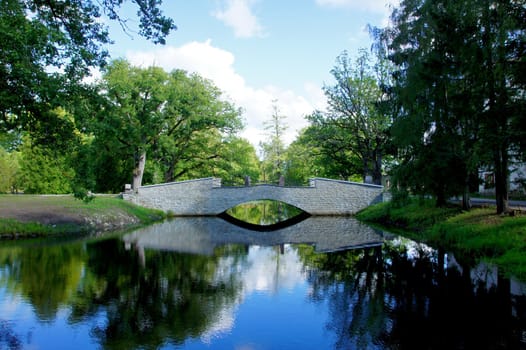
306, 158
43, 171
9, 169
42, 38
273, 149
353, 133
263, 212
177, 120
237, 159
83, 195
459, 87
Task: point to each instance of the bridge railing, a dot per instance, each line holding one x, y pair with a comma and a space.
208, 197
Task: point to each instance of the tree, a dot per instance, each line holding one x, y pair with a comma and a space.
429, 131
502, 36
171, 116
49, 46
355, 124
458, 91
274, 148
200, 120
43, 170
236, 159
9, 168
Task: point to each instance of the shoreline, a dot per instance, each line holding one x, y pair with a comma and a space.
29, 216
479, 234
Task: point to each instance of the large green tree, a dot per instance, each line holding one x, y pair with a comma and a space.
174, 117
48, 47
459, 91
355, 124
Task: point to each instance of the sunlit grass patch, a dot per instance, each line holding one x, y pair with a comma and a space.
483, 231
418, 215
13, 228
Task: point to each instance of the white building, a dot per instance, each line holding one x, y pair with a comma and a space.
517, 180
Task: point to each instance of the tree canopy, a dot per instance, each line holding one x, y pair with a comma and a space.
355, 127
460, 88
49, 46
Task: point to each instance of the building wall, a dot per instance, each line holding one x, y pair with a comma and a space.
207, 197
517, 179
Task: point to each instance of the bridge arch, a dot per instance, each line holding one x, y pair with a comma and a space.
207, 196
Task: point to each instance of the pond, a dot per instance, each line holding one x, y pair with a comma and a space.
203, 283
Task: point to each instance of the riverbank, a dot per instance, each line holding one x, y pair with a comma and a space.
476, 235
41, 215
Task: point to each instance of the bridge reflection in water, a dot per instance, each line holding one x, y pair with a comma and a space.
201, 235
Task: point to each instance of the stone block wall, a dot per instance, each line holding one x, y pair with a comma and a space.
205, 197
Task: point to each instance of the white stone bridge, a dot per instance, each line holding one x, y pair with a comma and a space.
206, 197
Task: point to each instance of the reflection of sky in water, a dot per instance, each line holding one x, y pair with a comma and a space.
272, 284
271, 307
18, 319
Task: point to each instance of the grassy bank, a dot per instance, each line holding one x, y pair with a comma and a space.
36, 215
478, 234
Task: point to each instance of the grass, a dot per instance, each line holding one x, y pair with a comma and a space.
478, 234
38, 215
12, 227
417, 215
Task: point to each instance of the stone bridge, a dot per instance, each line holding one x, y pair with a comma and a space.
201, 235
204, 197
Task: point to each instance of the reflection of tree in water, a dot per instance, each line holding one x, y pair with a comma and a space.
8, 338
388, 298
171, 298
46, 276
349, 282
264, 212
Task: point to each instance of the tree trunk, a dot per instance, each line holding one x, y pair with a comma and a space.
466, 200
377, 171
138, 172
501, 179
365, 169
169, 173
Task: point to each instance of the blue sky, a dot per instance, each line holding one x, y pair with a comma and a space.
257, 51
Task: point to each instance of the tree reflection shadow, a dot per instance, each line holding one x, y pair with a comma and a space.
395, 297
171, 298
8, 338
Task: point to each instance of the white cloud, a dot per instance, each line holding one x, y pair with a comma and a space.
238, 15
377, 6
217, 65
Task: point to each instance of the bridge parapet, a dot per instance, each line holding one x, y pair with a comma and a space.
207, 197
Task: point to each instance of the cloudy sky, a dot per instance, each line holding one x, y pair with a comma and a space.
257, 51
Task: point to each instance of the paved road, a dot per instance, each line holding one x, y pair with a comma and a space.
513, 203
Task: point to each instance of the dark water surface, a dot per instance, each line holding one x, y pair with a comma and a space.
201, 283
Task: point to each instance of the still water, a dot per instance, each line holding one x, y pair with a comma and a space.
202, 283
